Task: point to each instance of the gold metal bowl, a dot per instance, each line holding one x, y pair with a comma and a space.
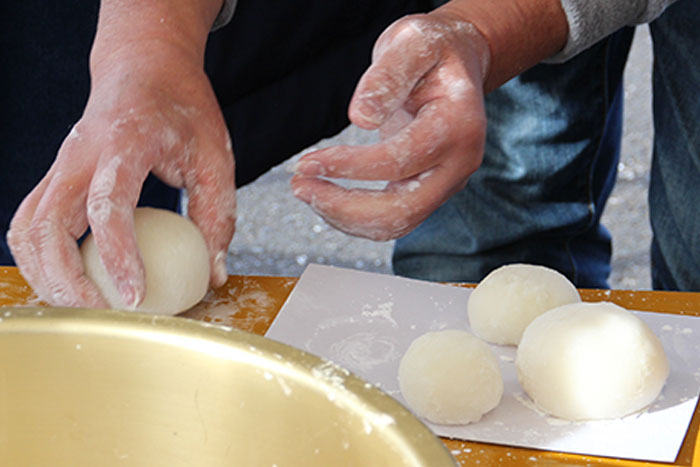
108, 388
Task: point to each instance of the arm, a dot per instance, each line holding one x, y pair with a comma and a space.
151, 109
424, 91
520, 33
125, 23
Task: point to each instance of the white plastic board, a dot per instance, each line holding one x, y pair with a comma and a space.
366, 321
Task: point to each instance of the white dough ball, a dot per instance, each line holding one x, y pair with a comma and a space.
510, 297
175, 258
450, 377
590, 361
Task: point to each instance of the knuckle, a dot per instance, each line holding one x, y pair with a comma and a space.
13, 238
131, 124
390, 81
40, 232
416, 33
19, 245
100, 209
393, 229
408, 28
73, 140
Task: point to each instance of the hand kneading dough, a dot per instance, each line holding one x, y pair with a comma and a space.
510, 297
450, 377
591, 361
175, 257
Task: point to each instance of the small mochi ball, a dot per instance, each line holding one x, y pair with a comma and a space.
174, 255
591, 361
510, 297
450, 377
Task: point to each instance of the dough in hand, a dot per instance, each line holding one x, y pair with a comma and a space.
510, 297
175, 257
589, 361
450, 377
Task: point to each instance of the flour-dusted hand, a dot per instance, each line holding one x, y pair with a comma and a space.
151, 109
424, 92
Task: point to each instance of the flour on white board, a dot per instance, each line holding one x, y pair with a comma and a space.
366, 321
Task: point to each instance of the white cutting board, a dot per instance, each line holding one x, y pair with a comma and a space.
366, 321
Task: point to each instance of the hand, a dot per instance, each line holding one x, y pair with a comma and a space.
151, 109
424, 92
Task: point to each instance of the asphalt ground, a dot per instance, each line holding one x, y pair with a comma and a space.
278, 235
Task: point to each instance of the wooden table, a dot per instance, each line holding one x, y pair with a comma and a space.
251, 303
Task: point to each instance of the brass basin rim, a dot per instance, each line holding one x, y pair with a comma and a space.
346, 390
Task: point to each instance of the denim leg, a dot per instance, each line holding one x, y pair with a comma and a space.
674, 191
550, 163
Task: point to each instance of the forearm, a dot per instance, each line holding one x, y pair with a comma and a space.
519, 33
522, 33
127, 25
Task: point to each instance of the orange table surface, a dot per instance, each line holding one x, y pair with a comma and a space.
250, 303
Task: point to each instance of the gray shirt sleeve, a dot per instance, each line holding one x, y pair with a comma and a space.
225, 14
589, 20
592, 20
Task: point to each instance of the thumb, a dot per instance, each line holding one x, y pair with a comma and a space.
402, 55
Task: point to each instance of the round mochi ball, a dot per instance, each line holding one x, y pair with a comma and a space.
510, 297
591, 361
450, 377
174, 255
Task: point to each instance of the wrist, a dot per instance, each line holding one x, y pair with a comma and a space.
132, 28
519, 33
469, 38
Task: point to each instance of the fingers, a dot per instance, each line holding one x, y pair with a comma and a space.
412, 150
452, 116
212, 204
426, 97
112, 197
377, 215
44, 230
389, 213
18, 235
437, 166
62, 280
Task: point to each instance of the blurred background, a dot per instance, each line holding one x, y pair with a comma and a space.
278, 235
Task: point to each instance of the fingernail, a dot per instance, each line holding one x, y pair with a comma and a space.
131, 296
302, 194
367, 114
311, 168
220, 272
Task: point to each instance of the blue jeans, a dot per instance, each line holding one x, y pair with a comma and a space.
550, 163
674, 189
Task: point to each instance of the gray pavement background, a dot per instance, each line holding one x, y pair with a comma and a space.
278, 235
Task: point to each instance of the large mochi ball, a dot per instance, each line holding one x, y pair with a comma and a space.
589, 361
450, 377
174, 255
510, 297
